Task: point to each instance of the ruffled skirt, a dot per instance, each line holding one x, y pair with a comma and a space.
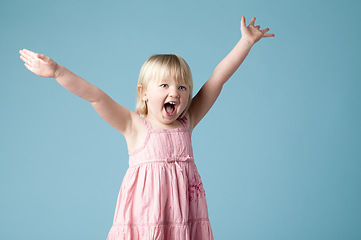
161, 200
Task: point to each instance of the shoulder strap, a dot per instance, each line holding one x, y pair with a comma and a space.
149, 126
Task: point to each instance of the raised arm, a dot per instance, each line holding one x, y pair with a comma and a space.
210, 91
114, 114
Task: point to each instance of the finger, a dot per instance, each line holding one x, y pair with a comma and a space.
30, 53
42, 57
25, 56
28, 67
265, 30
27, 61
252, 21
258, 27
243, 22
268, 35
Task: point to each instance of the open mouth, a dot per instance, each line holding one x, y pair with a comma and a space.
170, 108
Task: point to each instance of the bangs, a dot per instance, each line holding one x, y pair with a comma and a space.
170, 65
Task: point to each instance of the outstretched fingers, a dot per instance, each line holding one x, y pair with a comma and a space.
252, 21
254, 31
24, 55
26, 58
28, 61
29, 53
243, 21
267, 34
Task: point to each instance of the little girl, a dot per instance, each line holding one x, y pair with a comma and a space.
162, 195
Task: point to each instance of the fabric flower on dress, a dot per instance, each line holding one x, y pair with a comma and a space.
195, 188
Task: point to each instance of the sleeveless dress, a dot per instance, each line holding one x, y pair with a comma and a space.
162, 195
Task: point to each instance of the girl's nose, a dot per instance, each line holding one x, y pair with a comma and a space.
173, 92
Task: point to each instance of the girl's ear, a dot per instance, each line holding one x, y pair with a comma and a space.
140, 90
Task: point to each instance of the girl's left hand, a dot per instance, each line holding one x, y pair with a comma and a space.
252, 33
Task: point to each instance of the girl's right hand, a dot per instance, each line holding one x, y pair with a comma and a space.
39, 64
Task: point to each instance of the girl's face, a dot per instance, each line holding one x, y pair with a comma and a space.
166, 100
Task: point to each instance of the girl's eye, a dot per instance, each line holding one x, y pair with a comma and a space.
182, 88
164, 85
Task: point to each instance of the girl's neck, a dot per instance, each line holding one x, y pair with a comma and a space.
157, 125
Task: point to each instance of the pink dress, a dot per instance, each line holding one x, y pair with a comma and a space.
162, 195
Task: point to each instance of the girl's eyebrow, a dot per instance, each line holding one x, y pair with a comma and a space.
164, 80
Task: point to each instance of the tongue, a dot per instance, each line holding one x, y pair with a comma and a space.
169, 108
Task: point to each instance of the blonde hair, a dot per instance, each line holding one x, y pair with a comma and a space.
159, 67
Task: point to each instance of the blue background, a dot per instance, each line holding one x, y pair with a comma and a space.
279, 153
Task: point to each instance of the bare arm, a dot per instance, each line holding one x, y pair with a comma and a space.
76, 85
114, 114
210, 91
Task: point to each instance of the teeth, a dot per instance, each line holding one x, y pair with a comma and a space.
171, 103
